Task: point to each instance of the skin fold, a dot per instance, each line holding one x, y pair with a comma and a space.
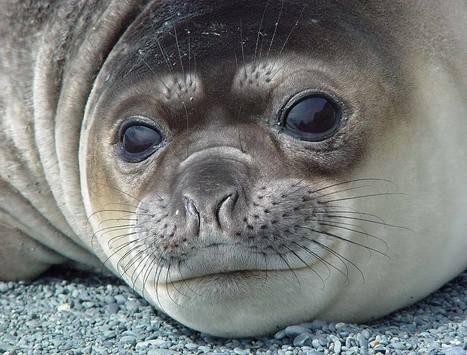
233, 225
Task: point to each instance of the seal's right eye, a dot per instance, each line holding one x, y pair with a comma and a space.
138, 140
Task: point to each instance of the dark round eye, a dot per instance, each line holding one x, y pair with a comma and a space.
313, 117
139, 140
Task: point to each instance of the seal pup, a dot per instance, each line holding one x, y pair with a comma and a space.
242, 165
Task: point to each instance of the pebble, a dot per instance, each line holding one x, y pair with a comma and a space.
120, 299
132, 306
161, 352
280, 335
456, 350
191, 346
64, 307
108, 315
337, 344
295, 330
112, 308
301, 339
128, 339
109, 299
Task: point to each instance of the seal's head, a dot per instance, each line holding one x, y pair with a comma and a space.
231, 163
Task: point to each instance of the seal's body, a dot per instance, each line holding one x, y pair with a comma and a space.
242, 165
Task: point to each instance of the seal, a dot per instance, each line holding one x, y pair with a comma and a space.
242, 165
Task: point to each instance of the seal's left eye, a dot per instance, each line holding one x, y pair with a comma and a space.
138, 141
311, 117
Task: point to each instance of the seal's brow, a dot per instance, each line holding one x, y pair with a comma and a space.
259, 74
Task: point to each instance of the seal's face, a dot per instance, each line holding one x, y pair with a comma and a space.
221, 154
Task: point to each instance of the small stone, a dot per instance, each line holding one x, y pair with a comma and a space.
456, 350
128, 339
132, 306
5, 347
88, 305
318, 324
64, 307
160, 343
3, 287
302, 339
191, 346
398, 346
316, 344
112, 308
379, 348
120, 299
161, 352
109, 334
362, 340
340, 325
337, 344
109, 299
280, 335
295, 330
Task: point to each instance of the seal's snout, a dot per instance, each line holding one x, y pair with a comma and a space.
209, 194
210, 209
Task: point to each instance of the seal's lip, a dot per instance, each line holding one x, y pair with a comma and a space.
238, 274
223, 261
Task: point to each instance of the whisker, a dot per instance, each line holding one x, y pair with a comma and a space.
306, 264
259, 30
352, 181
184, 280
241, 42
127, 253
167, 283
345, 240
179, 52
151, 266
356, 231
142, 269
276, 25
292, 30
344, 190
289, 267
350, 212
120, 247
366, 196
318, 257
339, 256
156, 280
370, 221
113, 239
119, 190
164, 54
138, 258
117, 220
114, 227
102, 211
324, 262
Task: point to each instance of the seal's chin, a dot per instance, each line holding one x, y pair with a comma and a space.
241, 303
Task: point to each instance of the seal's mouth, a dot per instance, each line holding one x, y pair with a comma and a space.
227, 263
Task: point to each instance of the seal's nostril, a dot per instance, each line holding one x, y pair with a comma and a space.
224, 200
225, 205
190, 206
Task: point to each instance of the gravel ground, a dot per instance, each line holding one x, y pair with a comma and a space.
76, 313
